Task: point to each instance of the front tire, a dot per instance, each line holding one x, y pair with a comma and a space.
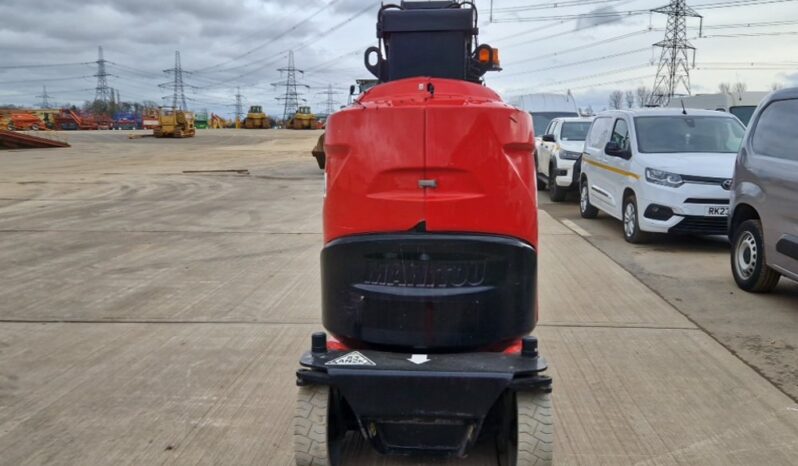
748, 259
631, 223
527, 437
556, 193
318, 427
586, 209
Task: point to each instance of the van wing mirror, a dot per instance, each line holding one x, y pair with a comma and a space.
614, 149
548, 138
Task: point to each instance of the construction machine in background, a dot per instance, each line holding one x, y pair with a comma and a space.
175, 124
302, 119
22, 121
150, 119
217, 122
201, 120
257, 119
69, 120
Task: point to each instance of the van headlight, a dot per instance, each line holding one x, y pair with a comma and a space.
568, 155
663, 178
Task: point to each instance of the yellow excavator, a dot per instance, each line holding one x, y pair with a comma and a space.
174, 124
256, 118
302, 119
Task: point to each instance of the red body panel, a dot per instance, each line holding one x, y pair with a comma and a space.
477, 150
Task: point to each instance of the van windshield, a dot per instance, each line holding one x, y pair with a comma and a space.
685, 133
574, 131
541, 120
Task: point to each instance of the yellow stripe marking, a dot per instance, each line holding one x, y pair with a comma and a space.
612, 169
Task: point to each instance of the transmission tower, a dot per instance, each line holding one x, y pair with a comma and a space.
239, 105
329, 102
102, 92
177, 84
291, 97
45, 98
673, 72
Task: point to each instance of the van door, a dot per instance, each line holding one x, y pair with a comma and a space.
594, 159
617, 169
774, 164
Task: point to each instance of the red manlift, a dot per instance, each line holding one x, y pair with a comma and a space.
68, 119
429, 265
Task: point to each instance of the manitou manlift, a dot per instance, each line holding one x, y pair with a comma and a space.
429, 265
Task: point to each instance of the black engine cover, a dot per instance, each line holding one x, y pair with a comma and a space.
428, 292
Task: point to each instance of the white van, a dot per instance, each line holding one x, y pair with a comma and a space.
660, 170
741, 105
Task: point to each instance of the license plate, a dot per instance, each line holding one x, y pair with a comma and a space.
717, 211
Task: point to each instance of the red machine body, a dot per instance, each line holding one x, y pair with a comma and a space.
445, 152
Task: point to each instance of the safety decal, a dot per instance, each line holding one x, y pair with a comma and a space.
355, 358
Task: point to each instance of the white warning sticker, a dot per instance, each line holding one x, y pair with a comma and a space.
355, 358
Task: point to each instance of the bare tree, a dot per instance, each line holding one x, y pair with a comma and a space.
629, 97
643, 94
739, 88
616, 100
724, 88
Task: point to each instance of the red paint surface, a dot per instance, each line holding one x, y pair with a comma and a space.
477, 149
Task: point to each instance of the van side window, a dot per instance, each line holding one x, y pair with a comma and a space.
620, 134
775, 134
599, 132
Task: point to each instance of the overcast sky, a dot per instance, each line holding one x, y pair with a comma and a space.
230, 43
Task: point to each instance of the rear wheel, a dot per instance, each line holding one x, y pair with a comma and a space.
748, 259
527, 436
319, 428
556, 193
586, 209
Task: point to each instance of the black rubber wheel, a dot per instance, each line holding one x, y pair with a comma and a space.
586, 209
748, 259
631, 225
556, 193
319, 427
526, 436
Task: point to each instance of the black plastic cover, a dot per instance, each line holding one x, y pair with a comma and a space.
427, 291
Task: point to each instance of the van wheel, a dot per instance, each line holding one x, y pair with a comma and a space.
586, 209
631, 225
556, 193
748, 259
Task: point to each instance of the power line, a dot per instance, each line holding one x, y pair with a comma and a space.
629, 13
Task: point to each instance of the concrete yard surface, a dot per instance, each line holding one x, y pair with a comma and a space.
156, 296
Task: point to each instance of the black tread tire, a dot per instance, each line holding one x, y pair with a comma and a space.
315, 419
763, 279
527, 434
638, 236
586, 209
556, 193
